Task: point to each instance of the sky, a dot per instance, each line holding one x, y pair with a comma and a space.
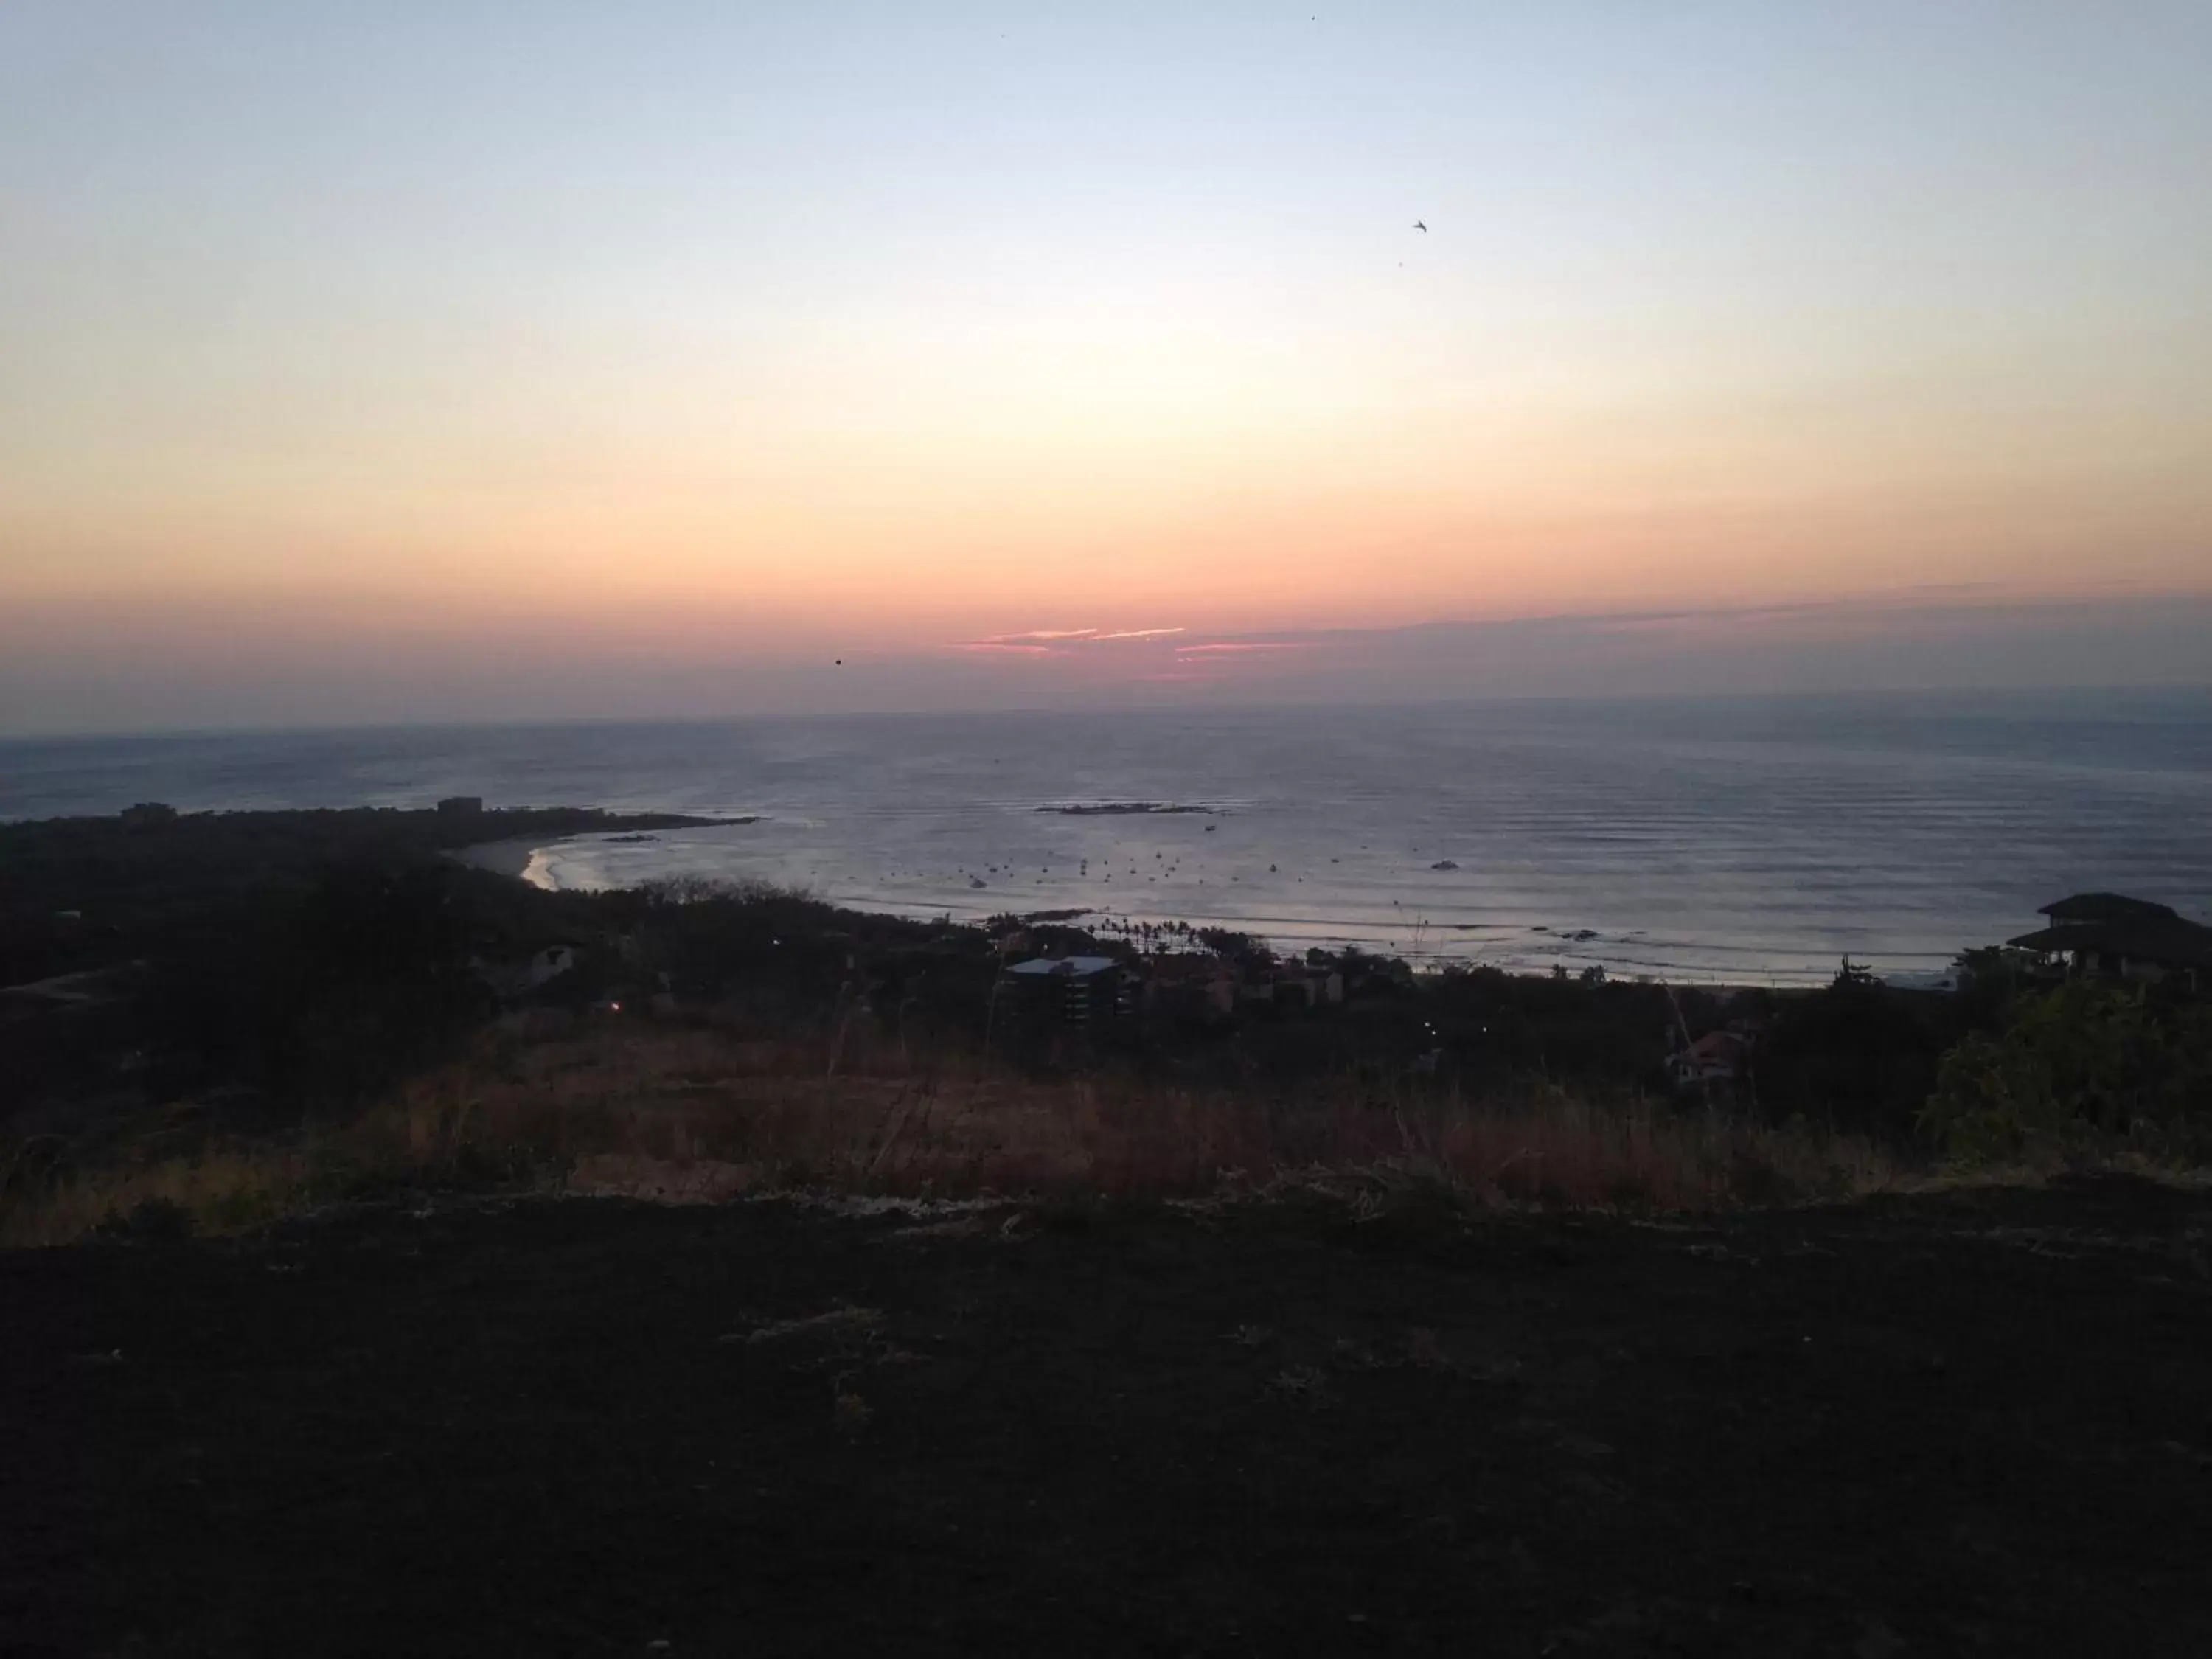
466, 360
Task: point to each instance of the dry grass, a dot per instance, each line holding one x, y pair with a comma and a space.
664, 1103
687, 1113
222, 1190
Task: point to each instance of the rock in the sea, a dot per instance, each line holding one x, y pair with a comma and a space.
1443, 864
1122, 808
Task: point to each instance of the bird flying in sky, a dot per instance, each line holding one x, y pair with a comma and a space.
1419, 225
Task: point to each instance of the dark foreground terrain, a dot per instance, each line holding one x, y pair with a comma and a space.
1970, 1424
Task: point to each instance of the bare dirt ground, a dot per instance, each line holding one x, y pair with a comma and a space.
1977, 1423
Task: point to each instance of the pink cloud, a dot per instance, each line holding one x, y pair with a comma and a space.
1061, 642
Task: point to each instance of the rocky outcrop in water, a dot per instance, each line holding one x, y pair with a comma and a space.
1123, 809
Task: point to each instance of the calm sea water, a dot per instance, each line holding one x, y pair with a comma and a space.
1749, 840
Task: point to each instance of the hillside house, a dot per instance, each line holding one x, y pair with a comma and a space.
518, 977
1716, 1057
2113, 936
1191, 985
1308, 988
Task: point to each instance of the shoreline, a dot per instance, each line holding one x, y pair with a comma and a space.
565, 858
510, 856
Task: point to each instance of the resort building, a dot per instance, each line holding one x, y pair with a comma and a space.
1070, 990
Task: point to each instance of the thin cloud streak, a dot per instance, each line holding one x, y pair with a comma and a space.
1061, 642
377, 668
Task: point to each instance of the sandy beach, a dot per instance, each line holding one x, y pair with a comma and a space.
510, 857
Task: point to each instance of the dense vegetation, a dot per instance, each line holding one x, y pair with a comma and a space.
2082, 1066
308, 958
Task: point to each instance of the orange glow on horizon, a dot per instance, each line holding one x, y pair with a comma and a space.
825, 345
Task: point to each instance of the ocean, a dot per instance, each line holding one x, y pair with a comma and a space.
1744, 839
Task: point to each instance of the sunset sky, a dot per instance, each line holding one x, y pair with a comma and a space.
469, 359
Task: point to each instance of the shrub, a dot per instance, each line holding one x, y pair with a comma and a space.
2079, 1066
